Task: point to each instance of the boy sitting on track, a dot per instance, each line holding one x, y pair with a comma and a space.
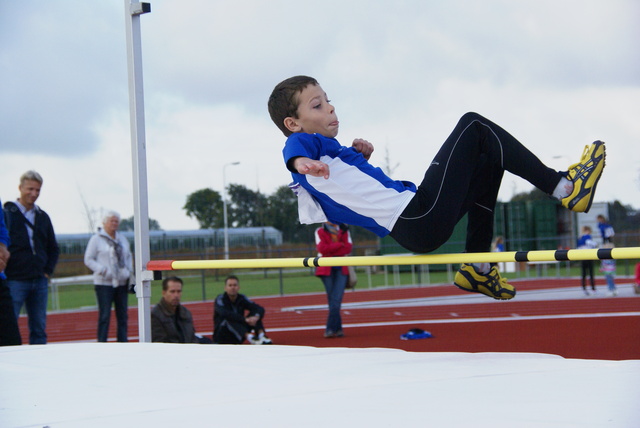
338, 183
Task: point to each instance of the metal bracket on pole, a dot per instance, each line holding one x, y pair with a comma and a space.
147, 275
139, 165
139, 8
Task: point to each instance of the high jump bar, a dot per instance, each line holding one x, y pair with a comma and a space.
493, 257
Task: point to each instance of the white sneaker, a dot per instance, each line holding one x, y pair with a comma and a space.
264, 340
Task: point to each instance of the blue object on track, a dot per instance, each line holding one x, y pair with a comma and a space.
416, 333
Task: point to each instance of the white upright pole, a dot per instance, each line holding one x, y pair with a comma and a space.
133, 10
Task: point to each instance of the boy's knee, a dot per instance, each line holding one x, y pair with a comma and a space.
470, 117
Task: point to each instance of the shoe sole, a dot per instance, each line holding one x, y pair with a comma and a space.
471, 290
592, 190
488, 295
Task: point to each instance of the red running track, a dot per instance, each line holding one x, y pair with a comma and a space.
551, 316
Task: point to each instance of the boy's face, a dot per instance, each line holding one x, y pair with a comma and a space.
315, 114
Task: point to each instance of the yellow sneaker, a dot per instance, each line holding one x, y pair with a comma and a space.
491, 284
585, 175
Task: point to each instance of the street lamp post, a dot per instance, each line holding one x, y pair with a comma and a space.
224, 208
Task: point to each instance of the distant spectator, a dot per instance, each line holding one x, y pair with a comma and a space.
236, 318
586, 242
606, 230
171, 322
498, 244
333, 240
34, 255
636, 286
9, 332
608, 269
108, 255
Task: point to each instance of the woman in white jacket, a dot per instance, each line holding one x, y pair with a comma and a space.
108, 255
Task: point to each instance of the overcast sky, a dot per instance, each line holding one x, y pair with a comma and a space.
556, 74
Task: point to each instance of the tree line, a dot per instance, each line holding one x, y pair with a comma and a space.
251, 208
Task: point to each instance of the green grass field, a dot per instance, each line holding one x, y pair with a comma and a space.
201, 285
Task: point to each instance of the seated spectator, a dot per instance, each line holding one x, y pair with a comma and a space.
170, 321
236, 318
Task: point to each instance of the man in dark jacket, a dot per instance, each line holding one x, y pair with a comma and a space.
236, 318
170, 321
34, 254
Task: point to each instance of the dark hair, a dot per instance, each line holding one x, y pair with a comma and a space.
283, 101
231, 277
165, 282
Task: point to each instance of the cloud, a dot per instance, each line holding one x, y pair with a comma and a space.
556, 75
62, 67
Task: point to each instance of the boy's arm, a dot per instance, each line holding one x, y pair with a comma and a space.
305, 165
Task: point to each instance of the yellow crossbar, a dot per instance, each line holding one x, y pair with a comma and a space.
494, 257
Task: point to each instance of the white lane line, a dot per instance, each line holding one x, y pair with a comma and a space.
565, 293
466, 320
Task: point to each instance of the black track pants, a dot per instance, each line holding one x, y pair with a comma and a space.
465, 177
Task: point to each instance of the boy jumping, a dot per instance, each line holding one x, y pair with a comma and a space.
463, 178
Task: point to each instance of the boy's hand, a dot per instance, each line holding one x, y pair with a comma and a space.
363, 146
312, 167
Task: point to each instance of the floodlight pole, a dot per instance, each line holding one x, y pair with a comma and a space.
133, 10
224, 208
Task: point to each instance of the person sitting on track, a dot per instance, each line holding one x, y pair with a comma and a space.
171, 322
236, 318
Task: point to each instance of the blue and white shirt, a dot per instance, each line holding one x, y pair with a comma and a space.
355, 193
586, 242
